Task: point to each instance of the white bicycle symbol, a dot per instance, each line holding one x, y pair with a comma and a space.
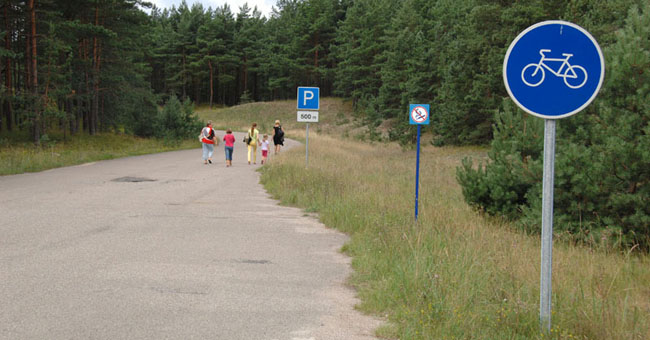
575, 76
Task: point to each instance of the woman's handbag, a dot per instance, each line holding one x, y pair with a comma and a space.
247, 139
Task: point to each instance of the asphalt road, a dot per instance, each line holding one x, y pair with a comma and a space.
187, 251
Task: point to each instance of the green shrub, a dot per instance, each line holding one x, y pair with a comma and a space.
246, 98
501, 187
176, 121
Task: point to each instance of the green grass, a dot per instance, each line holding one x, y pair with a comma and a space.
454, 274
19, 156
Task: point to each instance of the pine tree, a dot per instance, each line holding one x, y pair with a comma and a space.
409, 67
359, 47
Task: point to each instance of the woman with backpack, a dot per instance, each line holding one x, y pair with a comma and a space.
278, 136
207, 140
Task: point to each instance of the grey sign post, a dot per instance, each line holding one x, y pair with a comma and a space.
552, 70
307, 117
547, 225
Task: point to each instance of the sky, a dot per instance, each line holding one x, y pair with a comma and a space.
263, 6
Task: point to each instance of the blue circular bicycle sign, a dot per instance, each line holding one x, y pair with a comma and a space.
553, 69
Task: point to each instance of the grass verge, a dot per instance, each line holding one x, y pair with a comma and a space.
16, 158
454, 274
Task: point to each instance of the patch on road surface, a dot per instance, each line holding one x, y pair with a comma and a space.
253, 261
164, 290
129, 179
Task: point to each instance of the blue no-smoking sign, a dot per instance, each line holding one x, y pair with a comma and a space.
419, 114
553, 69
308, 98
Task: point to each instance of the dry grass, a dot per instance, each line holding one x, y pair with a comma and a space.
334, 117
455, 274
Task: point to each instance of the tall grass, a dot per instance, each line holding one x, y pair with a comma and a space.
334, 117
20, 157
454, 274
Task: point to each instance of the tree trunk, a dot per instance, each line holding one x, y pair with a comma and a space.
74, 121
196, 83
28, 64
7, 107
245, 74
94, 111
34, 73
183, 77
211, 83
255, 86
316, 76
316, 52
217, 78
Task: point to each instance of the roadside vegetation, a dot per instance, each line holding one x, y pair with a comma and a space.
169, 128
18, 157
456, 274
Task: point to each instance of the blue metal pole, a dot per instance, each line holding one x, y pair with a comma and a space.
417, 176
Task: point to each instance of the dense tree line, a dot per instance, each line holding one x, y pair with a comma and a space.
216, 56
101, 64
91, 65
74, 65
105, 64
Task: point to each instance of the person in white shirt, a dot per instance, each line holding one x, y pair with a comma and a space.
207, 140
265, 148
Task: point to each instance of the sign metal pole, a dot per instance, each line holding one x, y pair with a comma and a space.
418, 115
307, 146
547, 226
417, 175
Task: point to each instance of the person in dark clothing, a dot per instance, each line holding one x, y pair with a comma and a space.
278, 136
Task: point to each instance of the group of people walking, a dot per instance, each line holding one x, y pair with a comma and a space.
209, 139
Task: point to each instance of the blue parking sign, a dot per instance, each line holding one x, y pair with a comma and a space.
308, 98
553, 69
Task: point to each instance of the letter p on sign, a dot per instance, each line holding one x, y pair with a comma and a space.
308, 98
309, 95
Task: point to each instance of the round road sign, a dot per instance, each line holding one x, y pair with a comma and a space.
553, 69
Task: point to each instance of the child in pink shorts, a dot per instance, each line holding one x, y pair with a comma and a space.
265, 148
